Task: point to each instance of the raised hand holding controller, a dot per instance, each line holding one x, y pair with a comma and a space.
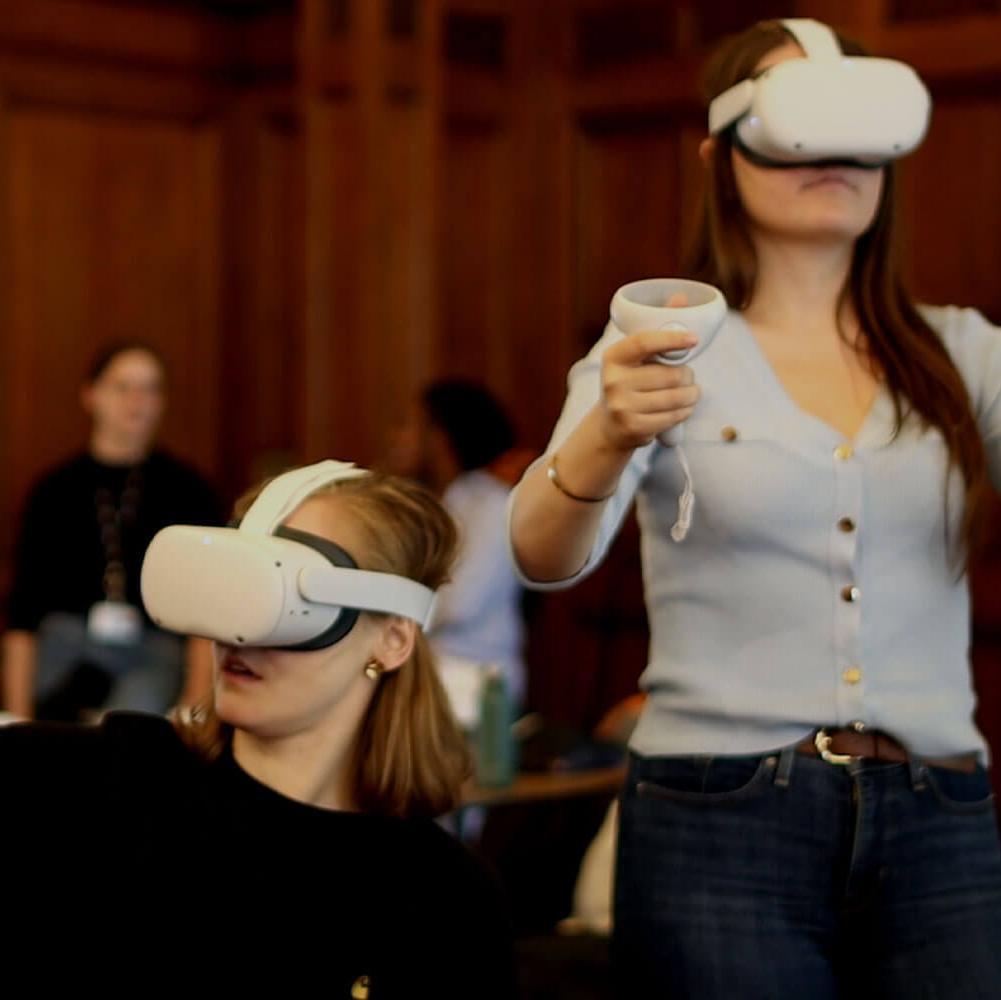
644, 306
655, 305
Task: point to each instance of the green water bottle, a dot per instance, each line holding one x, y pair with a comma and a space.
495, 749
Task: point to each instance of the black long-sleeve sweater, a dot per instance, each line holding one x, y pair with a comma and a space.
128, 856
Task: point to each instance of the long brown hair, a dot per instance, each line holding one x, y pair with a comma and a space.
410, 757
899, 344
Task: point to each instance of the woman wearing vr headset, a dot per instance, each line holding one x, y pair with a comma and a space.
298, 804
807, 812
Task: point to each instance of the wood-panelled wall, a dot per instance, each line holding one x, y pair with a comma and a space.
146, 192
313, 207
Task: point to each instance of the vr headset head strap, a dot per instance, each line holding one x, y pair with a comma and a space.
358, 589
817, 40
369, 591
355, 590
285, 493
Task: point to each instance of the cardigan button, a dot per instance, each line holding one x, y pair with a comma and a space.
729, 433
843, 452
846, 524
850, 594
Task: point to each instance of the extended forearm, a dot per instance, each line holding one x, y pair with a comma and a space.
554, 525
19, 673
552, 534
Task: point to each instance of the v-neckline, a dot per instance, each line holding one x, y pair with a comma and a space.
760, 360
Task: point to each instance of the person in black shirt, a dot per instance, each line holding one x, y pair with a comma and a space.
283, 829
77, 638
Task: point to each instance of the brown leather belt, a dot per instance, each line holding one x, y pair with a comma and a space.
839, 746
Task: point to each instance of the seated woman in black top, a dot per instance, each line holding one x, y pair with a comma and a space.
285, 828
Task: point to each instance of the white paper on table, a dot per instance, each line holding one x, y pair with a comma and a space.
463, 681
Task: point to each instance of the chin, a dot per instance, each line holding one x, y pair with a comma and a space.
830, 231
238, 712
252, 719
838, 221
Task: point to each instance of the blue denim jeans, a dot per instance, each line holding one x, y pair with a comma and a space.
146, 676
783, 876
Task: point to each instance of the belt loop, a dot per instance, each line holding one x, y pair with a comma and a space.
918, 773
784, 769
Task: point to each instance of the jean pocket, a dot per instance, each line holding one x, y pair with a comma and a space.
705, 780
961, 792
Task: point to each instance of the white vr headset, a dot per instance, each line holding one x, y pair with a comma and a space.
263, 584
828, 107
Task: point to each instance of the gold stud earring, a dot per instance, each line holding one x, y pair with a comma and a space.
374, 669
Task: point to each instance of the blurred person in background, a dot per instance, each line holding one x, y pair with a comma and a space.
459, 441
77, 640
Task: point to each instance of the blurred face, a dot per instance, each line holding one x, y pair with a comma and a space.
418, 448
276, 693
126, 401
408, 445
813, 204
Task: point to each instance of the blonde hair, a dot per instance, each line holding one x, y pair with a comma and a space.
410, 757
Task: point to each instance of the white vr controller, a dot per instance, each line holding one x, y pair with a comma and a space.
264, 584
826, 106
642, 306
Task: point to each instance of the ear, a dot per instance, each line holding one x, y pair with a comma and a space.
395, 642
706, 150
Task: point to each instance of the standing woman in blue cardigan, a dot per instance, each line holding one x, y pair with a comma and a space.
807, 812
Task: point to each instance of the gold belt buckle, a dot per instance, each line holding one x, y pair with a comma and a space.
822, 741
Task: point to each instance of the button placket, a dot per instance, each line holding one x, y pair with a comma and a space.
847, 593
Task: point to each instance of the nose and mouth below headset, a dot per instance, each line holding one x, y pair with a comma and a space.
265, 584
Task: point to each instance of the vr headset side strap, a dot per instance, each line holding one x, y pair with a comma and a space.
368, 591
283, 495
817, 40
732, 104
